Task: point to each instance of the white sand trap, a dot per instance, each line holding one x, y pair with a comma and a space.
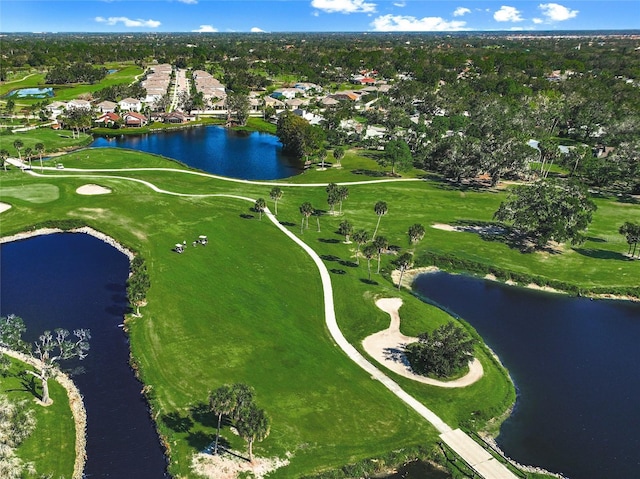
93, 190
4, 207
387, 347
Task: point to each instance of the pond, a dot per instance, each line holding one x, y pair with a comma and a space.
217, 150
77, 281
575, 365
32, 93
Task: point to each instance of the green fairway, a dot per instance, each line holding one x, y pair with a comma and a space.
53, 141
40, 193
248, 306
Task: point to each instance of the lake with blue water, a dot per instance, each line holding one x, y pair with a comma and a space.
32, 92
77, 281
214, 149
576, 366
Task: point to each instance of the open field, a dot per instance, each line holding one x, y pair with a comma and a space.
248, 308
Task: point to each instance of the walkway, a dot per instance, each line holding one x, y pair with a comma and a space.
479, 459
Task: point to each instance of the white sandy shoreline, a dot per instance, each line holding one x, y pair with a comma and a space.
85, 229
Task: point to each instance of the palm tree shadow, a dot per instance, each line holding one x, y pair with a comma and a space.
601, 254
177, 422
369, 281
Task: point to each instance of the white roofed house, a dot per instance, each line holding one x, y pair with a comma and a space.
130, 104
78, 104
106, 106
55, 109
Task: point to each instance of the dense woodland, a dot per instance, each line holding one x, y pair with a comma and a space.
465, 104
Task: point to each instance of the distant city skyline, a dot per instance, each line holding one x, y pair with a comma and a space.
315, 15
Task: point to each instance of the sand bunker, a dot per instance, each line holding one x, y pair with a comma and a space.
387, 347
92, 190
230, 467
4, 207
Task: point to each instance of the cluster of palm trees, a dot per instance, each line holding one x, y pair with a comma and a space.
38, 148
236, 402
631, 231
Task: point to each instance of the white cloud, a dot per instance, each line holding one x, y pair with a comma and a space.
344, 6
206, 29
458, 12
507, 14
128, 22
400, 23
256, 30
189, 2
557, 13
537, 20
400, 4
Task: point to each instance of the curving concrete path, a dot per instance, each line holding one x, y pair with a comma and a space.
478, 458
387, 347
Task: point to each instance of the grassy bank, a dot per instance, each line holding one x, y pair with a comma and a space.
51, 447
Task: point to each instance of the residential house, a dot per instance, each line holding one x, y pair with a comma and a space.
107, 119
79, 104
130, 104
175, 117
106, 106
286, 93
132, 118
55, 109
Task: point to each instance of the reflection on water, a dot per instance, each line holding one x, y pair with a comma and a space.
575, 366
248, 155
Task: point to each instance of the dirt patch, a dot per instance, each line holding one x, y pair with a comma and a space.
228, 466
92, 189
4, 207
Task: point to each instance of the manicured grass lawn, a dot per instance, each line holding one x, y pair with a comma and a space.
53, 140
247, 307
55, 429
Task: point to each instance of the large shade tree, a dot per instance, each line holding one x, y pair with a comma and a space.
548, 210
442, 353
397, 155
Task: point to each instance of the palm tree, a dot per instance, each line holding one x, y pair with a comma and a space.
381, 209
381, 244
343, 194
28, 152
369, 252
40, 150
401, 263
322, 154
317, 214
416, 233
360, 237
275, 194
306, 210
631, 231
242, 399
260, 205
253, 425
18, 144
221, 403
4, 154
346, 229
338, 154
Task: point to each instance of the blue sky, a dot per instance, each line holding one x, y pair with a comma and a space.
314, 15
